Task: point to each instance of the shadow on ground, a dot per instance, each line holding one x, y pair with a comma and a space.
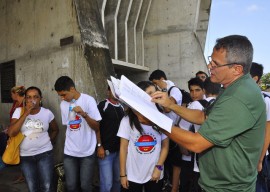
7, 177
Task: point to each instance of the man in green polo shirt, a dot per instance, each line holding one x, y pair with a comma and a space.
230, 139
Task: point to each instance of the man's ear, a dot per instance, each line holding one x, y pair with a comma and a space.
255, 78
162, 78
72, 89
238, 69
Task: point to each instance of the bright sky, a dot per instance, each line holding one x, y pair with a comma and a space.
250, 18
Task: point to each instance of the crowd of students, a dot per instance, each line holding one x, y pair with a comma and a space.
216, 138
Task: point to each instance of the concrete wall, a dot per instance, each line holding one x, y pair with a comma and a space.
31, 33
170, 35
174, 38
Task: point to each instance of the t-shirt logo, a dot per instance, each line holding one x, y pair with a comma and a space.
75, 124
33, 128
145, 144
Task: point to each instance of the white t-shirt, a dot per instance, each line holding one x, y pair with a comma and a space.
177, 95
267, 104
80, 138
187, 125
143, 151
35, 128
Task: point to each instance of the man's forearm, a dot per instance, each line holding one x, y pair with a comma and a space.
189, 140
91, 122
190, 115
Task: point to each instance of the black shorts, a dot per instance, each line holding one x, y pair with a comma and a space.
174, 156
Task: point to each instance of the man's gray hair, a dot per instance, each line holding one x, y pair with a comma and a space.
239, 50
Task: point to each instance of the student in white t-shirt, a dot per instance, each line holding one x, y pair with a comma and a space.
173, 161
143, 151
81, 141
256, 72
40, 129
197, 92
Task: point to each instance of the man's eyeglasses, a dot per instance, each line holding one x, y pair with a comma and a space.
217, 65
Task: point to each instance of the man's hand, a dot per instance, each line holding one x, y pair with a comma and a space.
124, 182
79, 110
101, 152
259, 167
162, 98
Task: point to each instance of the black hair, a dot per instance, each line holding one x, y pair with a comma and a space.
210, 87
63, 83
157, 75
256, 69
133, 119
34, 88
145, 84
195, 81
201, 72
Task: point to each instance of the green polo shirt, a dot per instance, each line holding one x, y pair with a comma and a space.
235, 125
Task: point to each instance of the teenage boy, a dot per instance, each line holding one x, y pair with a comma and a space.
159, 78
81, 142
256, 72
196, 88
112, 113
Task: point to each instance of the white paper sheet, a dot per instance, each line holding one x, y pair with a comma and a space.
140, 101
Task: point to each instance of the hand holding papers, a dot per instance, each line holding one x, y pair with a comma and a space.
137, 99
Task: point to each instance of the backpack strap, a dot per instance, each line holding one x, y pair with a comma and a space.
204, 103
265, 95
169, 91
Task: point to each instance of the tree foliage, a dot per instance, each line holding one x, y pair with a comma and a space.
266, 78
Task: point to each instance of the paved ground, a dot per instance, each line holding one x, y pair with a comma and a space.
7, 176
10, 173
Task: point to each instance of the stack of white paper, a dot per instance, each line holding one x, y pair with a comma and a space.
129, 93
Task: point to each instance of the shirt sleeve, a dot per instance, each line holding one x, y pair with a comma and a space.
163, 136
64, 112
100, 108
267, 103
51, 116
93, 109
124, 129
228, 118
176, 94
17, 113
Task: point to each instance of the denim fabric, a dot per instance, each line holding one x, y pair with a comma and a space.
79, 173
264, 176
109, 172
38, 171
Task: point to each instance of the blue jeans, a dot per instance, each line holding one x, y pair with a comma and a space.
264, 176
109, 173
79, 173
38, 171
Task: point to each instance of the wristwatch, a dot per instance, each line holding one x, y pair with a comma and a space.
99, 145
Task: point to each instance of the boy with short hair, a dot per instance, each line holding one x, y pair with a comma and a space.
81, 142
